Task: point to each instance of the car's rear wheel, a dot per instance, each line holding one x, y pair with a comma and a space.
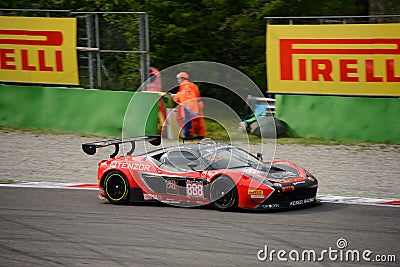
116, 187
224, 194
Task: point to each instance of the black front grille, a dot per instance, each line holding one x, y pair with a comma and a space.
284, 198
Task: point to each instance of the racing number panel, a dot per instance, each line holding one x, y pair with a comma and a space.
175, 185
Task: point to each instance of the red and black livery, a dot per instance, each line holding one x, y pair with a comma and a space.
205, 173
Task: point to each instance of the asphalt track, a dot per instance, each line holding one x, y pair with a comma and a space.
64, 227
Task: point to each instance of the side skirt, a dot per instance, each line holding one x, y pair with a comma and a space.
136, 195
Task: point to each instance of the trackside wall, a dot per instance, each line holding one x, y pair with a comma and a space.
75, 110
341, 118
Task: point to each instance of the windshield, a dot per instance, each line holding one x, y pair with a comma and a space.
230, 158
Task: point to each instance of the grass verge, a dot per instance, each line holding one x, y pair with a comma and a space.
216, 132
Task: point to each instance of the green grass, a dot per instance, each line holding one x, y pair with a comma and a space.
40, 131
217, 132
8, 181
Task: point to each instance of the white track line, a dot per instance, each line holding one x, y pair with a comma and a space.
390, 202
86, 186
359, 200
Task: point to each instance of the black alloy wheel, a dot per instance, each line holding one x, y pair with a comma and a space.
116, 187
223, 193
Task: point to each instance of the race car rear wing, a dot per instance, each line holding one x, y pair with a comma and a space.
90, 148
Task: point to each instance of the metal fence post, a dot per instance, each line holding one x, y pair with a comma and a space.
98, 59
90, 44
144, 47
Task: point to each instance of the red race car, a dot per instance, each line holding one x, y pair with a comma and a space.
205, 173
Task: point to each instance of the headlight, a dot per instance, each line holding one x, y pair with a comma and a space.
311, 177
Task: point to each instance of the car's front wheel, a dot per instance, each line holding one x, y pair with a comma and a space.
224, 194
116, 187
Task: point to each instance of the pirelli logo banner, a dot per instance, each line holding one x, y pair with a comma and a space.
334, 59
38, 50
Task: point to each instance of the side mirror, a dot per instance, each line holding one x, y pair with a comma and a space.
260, 156
192, 165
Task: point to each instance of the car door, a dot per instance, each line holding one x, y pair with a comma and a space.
176, 179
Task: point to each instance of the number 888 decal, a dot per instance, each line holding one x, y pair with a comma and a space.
194, 189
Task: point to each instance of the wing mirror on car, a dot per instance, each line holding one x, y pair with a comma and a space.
259, 156
193, 165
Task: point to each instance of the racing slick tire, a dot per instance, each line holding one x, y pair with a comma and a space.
224, 194
116, 187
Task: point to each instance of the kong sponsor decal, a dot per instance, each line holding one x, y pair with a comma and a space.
172, 186
38, 50
334, 59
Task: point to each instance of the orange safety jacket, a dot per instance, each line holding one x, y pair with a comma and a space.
155, 84
188, 96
